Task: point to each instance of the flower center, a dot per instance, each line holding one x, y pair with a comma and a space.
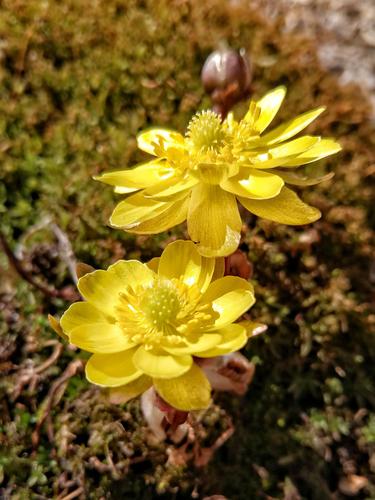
160, 304
206, 133
164, 314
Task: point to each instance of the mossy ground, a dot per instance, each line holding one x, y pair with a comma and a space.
78, 80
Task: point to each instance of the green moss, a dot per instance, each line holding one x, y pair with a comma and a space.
78, 80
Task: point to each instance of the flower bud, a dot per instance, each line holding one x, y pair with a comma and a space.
226, 76
237, 264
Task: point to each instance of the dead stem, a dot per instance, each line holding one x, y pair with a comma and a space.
72, 369
29, 375
73, 494
180, 456
18, 267
65, 249
52, 359
203, 455
66, 293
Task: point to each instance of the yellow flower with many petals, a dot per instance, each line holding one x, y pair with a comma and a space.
199, 177
144, 323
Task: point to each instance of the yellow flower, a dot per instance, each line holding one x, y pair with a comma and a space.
199, 177
144, 323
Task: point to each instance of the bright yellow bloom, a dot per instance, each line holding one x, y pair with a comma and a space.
144, 323
199, 177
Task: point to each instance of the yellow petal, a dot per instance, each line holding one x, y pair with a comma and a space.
196, 344
80, 313
158, 363
56, 327
219, 268
140, 177
269, 106
166, 191
286, 208
252, 115
281, 155
257, 184
135, 209
303, 180
112, 370
322, 149
101, 289
214, 221
124, 393
100, 338
122, 190
265, 161
191, 391
294, 147
157, 141
208, 267
252, 328
182, 260
233, 338
175, 213
91, 330
292, 127
132, 272
211, 173
153, 264
231, 297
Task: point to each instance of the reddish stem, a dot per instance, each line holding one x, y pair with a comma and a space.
173, 417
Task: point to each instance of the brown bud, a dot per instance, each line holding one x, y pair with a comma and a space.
226, 76
238, 264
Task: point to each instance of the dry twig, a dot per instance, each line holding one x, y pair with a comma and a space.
73, 494
19, 268
54, 396
30, 375
65, 252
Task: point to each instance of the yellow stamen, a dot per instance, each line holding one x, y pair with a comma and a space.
165, 313
206, 132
